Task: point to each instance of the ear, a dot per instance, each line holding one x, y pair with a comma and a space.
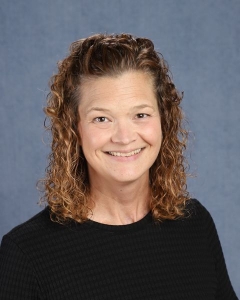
79, 140
78, 134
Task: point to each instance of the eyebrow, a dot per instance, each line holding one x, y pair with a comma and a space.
143, 106
95, 108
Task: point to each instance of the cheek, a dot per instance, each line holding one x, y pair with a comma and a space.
153, 133
83, 135
92, 138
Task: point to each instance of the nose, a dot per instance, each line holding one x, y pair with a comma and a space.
123, 133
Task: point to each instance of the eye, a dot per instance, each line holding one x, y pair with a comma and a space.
142, 115
100, 120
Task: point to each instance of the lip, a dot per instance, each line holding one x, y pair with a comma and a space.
125, 153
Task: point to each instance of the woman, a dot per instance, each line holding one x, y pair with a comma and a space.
119, 222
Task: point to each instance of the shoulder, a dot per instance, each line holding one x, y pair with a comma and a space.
195, 210
36, 223
19, 251
196, 220
32, 231
199, 219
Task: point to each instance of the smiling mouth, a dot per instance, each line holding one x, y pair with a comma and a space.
125, 154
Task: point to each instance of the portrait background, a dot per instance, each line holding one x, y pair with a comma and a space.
200, 41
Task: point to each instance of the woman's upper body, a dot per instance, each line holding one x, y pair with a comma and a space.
119, 222
175, 259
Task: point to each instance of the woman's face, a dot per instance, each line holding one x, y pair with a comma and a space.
120, 127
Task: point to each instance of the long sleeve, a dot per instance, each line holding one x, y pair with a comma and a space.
179, 259
224, 289
17, 277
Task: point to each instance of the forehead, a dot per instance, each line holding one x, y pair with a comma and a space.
131, 84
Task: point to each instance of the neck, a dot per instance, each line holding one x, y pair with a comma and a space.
121, 204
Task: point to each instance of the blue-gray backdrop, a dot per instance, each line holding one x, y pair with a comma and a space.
201, 42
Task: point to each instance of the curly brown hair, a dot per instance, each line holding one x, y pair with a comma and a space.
66, 186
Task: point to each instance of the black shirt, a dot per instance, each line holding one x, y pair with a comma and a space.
180, 259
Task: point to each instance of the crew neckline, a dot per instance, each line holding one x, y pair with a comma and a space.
135, 226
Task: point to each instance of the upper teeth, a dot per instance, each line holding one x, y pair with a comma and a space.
124, 154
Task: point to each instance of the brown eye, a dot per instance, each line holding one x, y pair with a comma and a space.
142, 115
100, 119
